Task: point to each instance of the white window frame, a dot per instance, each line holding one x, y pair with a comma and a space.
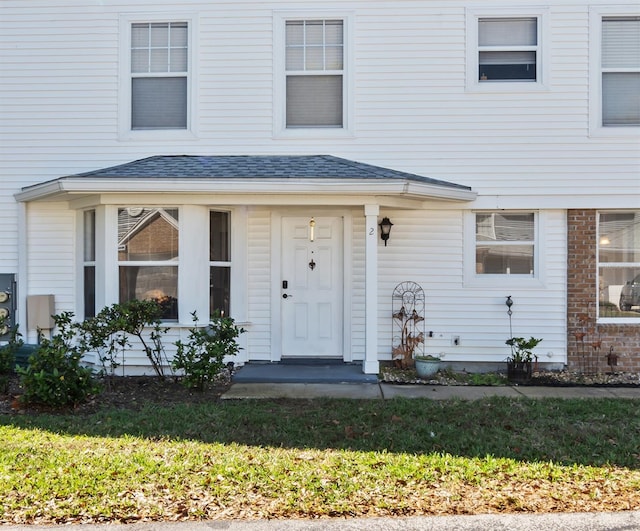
596, 14
224, 263
473, 279
280, 129
543, 55
125, 132
612, 265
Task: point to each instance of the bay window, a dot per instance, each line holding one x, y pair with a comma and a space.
219, 263
148, 256
89, 262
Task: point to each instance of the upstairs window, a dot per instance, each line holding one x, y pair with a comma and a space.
620, 71
508, 49
159, 75
505, 243
314, 71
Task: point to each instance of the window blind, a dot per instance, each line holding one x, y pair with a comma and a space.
621, 71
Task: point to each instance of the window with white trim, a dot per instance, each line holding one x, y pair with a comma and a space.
159, 70
89, 262
508, 49
619, 264
314, 73
148, 240
219, 263
620, 63
505, 243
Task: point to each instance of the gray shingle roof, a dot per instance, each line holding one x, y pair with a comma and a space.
256, 167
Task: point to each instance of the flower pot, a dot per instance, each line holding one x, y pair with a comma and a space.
519, 371
427, 367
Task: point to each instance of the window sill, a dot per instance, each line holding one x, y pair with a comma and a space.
312, 133
157, 135
501, 87
619, 320
514, 281
615, 131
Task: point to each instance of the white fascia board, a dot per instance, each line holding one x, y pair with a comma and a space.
564, 201
66, 189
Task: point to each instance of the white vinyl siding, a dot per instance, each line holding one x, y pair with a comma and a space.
426, 247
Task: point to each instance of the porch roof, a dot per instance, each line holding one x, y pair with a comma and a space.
272, 176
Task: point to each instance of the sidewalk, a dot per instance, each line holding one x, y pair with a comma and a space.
435, 392
485, 522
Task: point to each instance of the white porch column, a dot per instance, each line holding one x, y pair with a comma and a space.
371, 364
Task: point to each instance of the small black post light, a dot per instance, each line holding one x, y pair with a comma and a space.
385, 229
509, 303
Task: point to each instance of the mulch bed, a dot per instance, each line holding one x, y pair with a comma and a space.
134, 392
131, 392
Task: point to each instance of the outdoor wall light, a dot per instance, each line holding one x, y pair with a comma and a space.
312, 229
385, 229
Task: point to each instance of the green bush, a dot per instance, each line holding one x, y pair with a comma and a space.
107, 333
54, 375
201, 358
8, 351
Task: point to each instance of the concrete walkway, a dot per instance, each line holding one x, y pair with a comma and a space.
624, 521
436, 392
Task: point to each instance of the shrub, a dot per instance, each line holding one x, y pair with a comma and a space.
107, 333
8, 351
54, 375
201, 358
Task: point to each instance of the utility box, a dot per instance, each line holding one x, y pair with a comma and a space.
7, 305
40, 309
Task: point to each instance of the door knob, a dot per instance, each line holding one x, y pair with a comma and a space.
286, 296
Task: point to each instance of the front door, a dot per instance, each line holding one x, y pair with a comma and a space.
312, 287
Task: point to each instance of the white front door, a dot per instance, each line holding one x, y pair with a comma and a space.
312, 287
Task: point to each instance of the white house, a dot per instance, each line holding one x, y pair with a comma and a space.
242, 155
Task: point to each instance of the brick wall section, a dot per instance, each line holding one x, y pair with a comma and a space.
589, 342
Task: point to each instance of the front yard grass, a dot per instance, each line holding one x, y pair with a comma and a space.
320, 458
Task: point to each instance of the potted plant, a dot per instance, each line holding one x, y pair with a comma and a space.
427, 366
519, 364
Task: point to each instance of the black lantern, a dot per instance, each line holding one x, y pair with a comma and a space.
385, 229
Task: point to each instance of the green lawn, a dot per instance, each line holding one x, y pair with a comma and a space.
321, 458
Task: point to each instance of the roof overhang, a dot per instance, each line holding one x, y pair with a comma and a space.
357, 184
253, 191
